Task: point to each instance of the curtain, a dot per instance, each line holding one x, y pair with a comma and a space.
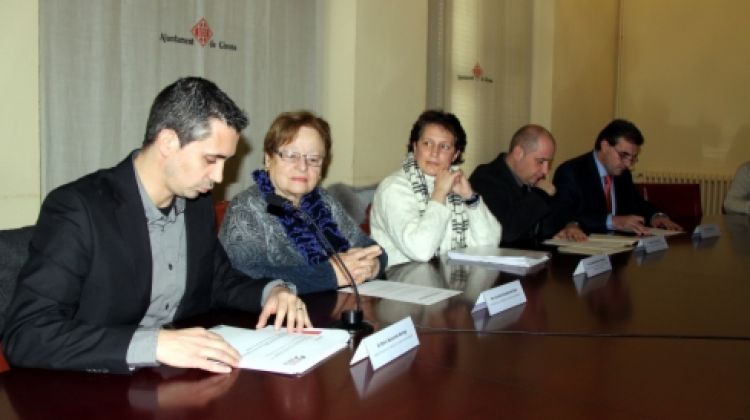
103, 62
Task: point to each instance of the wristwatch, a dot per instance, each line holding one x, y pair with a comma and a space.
472, 201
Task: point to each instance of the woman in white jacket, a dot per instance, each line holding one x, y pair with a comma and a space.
428, 207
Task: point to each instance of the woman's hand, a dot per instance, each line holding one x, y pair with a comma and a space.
461, 185
285, 304
363, 264
445, 182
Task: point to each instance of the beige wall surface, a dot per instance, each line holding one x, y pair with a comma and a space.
584, 69
679, 71
375, 84
338, 21
684, 82
391, 83
19, 114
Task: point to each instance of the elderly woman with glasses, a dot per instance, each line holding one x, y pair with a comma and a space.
276, 228
428, 207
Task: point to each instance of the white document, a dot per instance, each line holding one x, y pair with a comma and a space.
594, 265
387, 344
403, 292
652, 244
599, 240
624, 240
597, 243
500, 298
710, 230
281, 351
592, 250
499, 256
664, 232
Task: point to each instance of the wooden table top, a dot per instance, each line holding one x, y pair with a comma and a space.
663, 335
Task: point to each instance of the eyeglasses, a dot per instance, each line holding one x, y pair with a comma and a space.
627, 156
294, 157
442, 147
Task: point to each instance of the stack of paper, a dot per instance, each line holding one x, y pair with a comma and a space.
281, 351
596, 244
515, 261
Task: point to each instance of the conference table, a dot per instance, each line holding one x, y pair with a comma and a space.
662, 335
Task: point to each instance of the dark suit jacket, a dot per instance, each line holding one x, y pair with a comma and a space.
87, 282
523, 213
580, 195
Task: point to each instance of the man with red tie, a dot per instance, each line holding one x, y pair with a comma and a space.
596, 189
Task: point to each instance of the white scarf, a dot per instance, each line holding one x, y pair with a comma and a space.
459, 221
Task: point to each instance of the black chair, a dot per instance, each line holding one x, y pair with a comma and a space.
14, 249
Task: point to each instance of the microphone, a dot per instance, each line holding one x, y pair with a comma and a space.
351, 319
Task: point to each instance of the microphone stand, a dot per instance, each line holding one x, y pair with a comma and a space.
351, 320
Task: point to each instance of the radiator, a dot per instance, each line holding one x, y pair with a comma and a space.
713, 186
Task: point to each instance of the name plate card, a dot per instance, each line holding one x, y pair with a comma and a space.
387, 344
652, 244
593, 265
500, 298
710, 230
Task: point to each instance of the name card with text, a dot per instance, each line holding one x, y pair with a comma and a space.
387, 344
652, 244
710, 230
591, 266
500, 298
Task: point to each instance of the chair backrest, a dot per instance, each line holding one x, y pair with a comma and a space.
682, 202
356, 201
220, 208
14, 250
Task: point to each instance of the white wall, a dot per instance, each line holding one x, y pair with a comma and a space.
19, 114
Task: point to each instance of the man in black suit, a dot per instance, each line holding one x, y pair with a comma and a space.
121, 253
516, 189
596, 189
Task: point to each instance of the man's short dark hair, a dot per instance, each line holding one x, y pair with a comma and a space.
444, 119
186, 106
617, 129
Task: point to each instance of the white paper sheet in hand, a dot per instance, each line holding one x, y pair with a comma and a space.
280, 351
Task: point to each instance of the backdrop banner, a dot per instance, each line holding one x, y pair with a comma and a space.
103, 62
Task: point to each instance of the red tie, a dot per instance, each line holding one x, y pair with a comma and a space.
608, 192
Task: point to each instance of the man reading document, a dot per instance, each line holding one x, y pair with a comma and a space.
121, 252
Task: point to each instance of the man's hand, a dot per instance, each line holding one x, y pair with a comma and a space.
572, 232
663, 221
196, 348
545, 185
631, 223
282, 302
363, 264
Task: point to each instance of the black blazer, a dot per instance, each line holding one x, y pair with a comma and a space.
524, 214
87, 282
580, 195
